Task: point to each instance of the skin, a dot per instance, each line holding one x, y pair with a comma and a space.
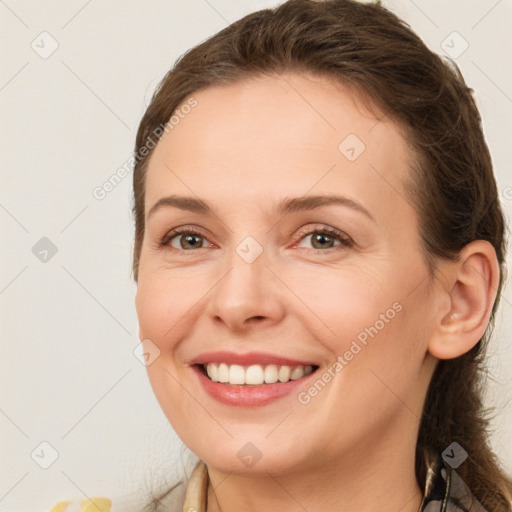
242, 149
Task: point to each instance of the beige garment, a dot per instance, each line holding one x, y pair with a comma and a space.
197, 487
444, 489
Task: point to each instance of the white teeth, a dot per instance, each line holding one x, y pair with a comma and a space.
213, 372
284, 373
255, 374
271, 375
297, 373
223, 373
236, 374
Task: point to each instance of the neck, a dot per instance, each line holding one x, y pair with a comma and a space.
369, 477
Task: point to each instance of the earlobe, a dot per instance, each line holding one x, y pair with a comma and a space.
472, 288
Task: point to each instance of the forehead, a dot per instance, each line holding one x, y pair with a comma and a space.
275, 136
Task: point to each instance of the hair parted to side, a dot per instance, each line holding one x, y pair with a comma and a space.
451, 184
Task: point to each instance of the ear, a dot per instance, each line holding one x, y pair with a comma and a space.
471, 289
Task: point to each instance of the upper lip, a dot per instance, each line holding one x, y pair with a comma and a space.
247, 358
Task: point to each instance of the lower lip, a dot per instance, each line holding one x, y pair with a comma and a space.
248, 396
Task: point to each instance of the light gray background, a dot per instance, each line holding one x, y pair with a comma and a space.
68, 325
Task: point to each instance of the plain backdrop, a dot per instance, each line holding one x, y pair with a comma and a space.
75, 79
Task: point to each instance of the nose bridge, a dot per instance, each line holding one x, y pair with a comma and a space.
247, 288
248, 274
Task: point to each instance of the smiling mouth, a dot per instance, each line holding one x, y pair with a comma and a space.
254, 375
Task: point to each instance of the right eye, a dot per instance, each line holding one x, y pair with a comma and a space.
187, 238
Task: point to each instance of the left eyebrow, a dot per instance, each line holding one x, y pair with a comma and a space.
284, 207
295, 204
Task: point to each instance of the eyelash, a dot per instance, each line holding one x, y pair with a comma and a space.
345, 241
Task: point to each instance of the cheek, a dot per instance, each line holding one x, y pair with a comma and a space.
380, 360
164, 302
345, 303
162, 319
374, 325
152, 309
385, 357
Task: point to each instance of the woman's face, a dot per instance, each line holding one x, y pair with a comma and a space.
258, 284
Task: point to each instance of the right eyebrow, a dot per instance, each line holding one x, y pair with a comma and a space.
190, 204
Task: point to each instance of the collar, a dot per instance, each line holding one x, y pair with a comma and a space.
444, 491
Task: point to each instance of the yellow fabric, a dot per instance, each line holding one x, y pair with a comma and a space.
95, 504
61, 506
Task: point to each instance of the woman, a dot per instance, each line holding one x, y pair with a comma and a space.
319, 254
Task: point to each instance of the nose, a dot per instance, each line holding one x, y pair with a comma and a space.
249, 294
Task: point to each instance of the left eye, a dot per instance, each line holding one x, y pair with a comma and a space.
324, 238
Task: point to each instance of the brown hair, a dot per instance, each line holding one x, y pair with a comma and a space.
452, 186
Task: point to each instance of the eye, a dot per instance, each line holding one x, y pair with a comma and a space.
186, 238
324, 238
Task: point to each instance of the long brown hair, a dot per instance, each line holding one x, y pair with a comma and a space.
451, 186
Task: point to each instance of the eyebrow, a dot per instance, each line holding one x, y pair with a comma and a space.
284, 207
